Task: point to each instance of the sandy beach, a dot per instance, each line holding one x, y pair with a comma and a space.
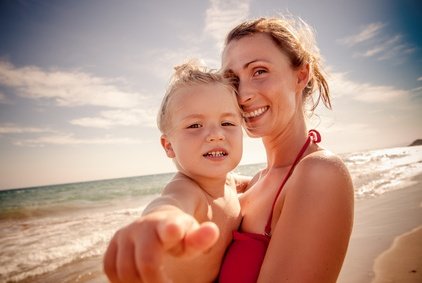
384, 237
403, 261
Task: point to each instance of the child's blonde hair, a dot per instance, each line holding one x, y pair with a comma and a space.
188, 74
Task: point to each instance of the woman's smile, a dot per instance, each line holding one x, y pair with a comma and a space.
255, 113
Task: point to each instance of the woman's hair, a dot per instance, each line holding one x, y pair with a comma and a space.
188, 74
296, 39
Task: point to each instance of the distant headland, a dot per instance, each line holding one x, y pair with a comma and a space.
416, 142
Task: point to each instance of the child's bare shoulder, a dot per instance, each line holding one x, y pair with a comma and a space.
180, 183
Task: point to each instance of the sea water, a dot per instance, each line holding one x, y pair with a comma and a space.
46, 228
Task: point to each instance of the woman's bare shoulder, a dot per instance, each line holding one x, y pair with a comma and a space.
323, 172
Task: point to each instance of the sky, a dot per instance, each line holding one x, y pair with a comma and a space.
81, 81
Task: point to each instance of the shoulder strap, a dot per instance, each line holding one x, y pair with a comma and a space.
313, 136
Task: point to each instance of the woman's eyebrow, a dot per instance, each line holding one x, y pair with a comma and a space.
246, 65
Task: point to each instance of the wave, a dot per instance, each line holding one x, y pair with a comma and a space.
379, 171
34, 247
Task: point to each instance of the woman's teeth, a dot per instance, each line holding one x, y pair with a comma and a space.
255, 113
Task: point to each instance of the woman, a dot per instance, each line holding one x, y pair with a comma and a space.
298, 211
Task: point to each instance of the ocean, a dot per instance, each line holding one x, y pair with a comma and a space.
59, 233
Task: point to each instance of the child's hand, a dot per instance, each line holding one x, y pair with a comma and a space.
135, 253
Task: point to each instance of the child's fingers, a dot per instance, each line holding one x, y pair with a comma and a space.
109, 262
125, 261
149, 260
172, 231
201, 239
184, 237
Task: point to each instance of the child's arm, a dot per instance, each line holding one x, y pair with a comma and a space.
136, 251
241, 182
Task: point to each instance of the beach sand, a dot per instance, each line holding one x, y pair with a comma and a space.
385, 245
378, 221
403, 261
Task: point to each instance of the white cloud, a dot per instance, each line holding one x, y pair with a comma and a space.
417, 90
342, 86
373, 51
388, 48
108, 119
69, 139
420, 79
223, 15
14, 129
381, 47
367, 32
161, 61
66, 88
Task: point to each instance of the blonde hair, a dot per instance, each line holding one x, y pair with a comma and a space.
296, 39
188, 74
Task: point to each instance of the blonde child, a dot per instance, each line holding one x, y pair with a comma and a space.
182, 235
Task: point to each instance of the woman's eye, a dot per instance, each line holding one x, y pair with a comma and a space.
228, 124
194, 126
259, 72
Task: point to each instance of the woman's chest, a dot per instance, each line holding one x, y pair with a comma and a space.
257, 203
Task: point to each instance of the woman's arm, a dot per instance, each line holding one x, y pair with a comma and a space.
310, 239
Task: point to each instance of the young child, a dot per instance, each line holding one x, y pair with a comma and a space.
182, 235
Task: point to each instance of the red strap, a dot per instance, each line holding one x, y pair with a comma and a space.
313, 136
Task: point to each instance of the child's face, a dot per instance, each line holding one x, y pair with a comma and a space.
205, 136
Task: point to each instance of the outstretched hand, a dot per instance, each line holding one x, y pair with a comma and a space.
136, 252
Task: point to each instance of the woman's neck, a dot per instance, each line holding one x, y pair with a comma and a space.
283, 147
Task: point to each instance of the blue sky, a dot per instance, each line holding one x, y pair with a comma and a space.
81, 81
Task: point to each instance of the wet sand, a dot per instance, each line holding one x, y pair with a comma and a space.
378, 222
403, 261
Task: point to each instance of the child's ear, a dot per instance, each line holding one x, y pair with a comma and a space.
165, 143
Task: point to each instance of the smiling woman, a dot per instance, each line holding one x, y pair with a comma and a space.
297, 211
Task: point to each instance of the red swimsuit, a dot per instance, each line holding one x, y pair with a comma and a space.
245, 254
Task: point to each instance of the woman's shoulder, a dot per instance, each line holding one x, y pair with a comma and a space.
322, 161
323, 171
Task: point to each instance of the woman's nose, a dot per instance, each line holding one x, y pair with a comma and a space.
244, 93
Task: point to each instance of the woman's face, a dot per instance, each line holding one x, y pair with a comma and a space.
269, 90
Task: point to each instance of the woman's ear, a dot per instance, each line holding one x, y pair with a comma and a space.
303, 76
166, 144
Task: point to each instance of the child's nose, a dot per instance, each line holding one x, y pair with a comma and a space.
215, 135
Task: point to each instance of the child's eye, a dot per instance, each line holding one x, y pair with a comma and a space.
228, 124
194, 126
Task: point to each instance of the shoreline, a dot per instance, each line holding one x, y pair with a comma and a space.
402, 262
378, 221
